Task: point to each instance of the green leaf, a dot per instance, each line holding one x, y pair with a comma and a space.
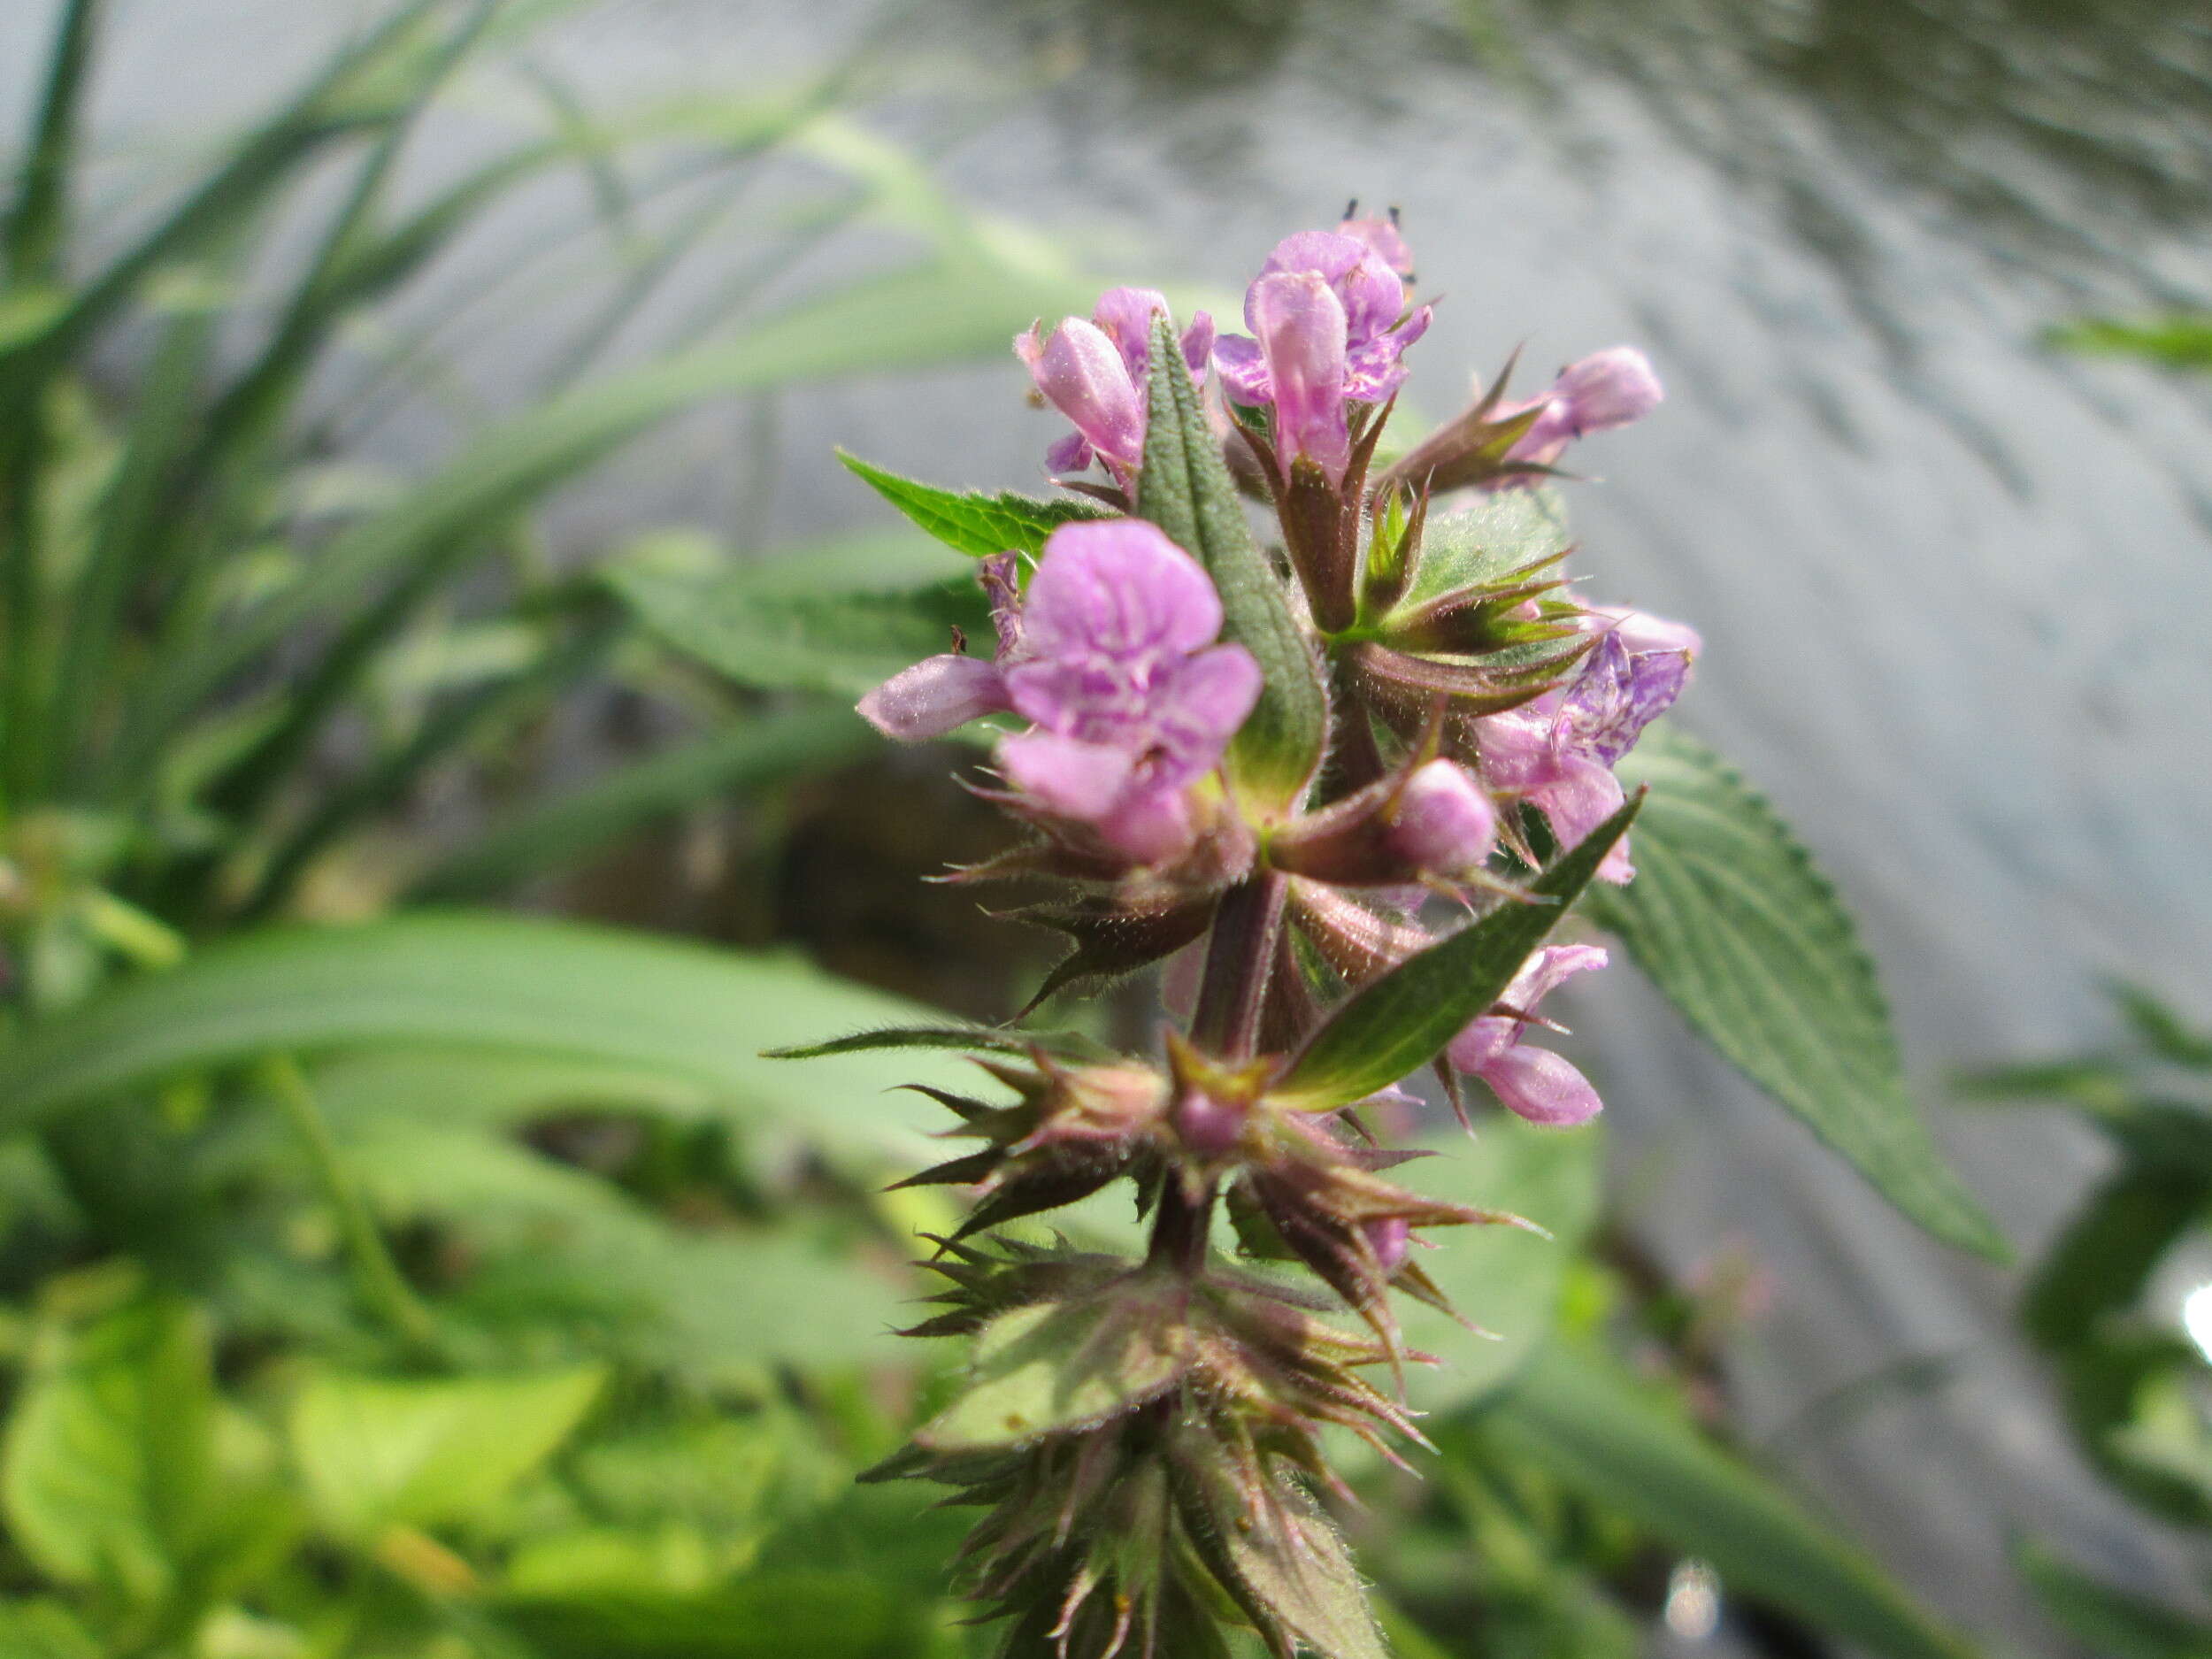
1503, 533
973, 522
841, 644
483, 981
109, 1459
1064, 1365
1732, 921
377, 1453
1506, 1279
2109, 1623
1579, 1417
2179, 342
44, 1629
1397, 1023
774, 1615
1186, 489
965, 1038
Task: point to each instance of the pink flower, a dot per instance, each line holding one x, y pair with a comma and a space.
1096, 373
1535, 1084
1310, 357
1594, 393
1559, 751
1129, 699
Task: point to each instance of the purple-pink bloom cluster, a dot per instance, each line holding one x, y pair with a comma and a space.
1111, 659
1097, 373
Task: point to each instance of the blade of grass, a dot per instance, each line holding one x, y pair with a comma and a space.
37, 227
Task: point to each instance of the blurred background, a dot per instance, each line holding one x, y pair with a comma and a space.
421, 485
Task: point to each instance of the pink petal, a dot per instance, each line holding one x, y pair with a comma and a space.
1081, 374
1074, 779
1302, 329
1119, 587
1446, 823
1542, 1088
933, 697
1149, 825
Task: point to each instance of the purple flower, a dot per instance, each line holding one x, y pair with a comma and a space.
1606, 390
1532, 1083
1309, 359
1129, 699
1446, 822
1111, 659
1560, 750
1095, 373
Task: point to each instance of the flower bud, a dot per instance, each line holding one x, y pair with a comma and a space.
1445, 820
1082, 373
936, 695
1302, 329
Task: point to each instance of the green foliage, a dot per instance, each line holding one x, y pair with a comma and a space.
486, 981
978, 523
2179, 342
1048, 1367
1185, 489
842, 644
1400, 1020
108, 1477
1735, 924
2107, 1621
1576, 1416
377, 1453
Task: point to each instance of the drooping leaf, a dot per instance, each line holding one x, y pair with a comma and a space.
1062, 1365
487, 982
1507, 1281
1579, 1417
2109, 1623
377, 1452
974, 522
1400, 1020
1732, 921
108, 1472
1186, 489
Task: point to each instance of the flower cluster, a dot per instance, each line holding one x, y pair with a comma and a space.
1344, 793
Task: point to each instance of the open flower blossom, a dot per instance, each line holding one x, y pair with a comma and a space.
1559, 751
1535, 1084
1329, 323
1594, 393
1111, 659
1095, 373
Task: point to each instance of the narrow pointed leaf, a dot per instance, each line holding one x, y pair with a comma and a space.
1186, 489
1399, 1022
1733, 920
965, 1038
973, 521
